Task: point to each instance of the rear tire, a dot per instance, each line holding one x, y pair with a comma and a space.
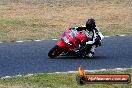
55, 51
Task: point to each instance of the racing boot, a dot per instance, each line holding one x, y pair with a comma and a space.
91, 53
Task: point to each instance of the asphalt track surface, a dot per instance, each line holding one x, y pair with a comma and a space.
31, 57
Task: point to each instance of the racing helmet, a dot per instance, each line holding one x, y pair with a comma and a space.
90, 24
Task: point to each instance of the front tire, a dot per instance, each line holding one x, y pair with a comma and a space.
55, 51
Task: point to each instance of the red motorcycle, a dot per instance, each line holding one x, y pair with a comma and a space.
69, 44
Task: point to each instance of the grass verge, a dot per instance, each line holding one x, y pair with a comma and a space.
59, 81
44, 19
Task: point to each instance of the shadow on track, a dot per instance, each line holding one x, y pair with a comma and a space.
75, 57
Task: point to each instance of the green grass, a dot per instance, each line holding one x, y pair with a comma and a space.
59, 81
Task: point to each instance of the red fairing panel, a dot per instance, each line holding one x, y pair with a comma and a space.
61, 44
82, 37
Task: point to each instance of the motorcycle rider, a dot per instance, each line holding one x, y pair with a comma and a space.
94, 35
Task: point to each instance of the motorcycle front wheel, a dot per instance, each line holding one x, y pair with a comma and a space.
55, 51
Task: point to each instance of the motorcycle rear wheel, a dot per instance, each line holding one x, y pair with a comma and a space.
55, 51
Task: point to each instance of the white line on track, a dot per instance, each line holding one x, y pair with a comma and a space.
20, 41
121, 35
103, 69
6, 77
18, 75
28, 75
106, 36
92, 70
55, 39
37, 40
51, 39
